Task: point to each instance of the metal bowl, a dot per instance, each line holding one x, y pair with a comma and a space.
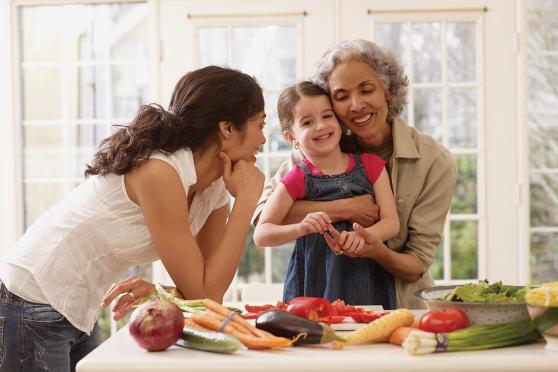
478, 313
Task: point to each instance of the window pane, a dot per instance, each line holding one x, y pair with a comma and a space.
428, 112
462, 117
465, 193
464, 250
280, 257
542, 25
394, 36
92, 95
252, 262
43, 151
461, 49
281, 60
544, 199
42, 93
213, 46
544, 257
39, 197
427, 52
130, 89
249, 51
44, 28
437, 268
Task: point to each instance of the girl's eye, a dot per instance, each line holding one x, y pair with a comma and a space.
340, 97
306, 123
327, 116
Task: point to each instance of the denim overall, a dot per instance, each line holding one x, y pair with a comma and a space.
315, 271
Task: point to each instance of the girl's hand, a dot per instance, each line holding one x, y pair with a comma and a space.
133, 289
315, 222
332, 239
242, 179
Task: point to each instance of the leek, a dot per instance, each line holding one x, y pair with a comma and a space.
472, 338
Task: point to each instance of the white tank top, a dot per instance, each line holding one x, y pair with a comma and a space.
73, 253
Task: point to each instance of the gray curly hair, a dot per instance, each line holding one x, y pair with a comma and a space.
384, 62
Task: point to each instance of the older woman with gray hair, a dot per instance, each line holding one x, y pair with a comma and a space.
368, 88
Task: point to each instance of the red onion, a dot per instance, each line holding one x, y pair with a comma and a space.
156, 324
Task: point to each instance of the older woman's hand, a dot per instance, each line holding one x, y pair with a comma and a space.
363, 210
132, 290
370, 249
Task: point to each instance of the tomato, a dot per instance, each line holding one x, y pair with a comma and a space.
442, 321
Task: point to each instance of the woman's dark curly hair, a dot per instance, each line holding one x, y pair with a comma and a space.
201, 99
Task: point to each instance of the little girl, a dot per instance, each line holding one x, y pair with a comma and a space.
310, 125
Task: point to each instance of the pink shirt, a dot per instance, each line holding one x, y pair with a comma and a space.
294, 180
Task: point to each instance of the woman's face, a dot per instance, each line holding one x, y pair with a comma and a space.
246, 143
359, 100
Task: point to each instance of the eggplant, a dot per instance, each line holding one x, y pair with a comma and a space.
303, 331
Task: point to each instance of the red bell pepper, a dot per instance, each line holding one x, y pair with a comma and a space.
365, 317
258, 309
312, 308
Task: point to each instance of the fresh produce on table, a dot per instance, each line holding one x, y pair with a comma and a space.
156, 324
545, 295
446, 320
311, 308
219, 318
217, 342
187, 306
380, 329
483, 292
472, 338
302, 331
318, 309
400, 334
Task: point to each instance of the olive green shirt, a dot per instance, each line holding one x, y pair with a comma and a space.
423, 176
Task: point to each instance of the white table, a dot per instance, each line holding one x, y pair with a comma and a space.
121, 353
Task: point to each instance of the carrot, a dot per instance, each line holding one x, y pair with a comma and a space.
239, 327
251, 342
216, 307
380, 329
400, 334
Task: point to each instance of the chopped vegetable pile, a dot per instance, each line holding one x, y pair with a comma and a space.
483, 292
317, 309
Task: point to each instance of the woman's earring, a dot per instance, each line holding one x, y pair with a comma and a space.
296, 146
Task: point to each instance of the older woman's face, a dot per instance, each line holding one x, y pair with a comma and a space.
359, 100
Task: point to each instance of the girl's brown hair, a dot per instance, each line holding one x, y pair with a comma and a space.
201, 99
290, 97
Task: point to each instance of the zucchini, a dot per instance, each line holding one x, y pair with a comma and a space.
303, 331
216, 342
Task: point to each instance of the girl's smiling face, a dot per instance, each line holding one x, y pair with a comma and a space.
315, 127
359, 100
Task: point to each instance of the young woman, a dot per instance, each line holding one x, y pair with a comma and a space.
326, 173
157, 189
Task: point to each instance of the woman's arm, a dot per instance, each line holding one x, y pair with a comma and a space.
361, 209
388, 225
159, 193
269, 231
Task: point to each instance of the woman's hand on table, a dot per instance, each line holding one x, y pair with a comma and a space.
132, 290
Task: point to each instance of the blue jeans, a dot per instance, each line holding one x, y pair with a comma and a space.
35, 337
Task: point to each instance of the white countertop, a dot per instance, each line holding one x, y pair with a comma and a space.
121, 353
